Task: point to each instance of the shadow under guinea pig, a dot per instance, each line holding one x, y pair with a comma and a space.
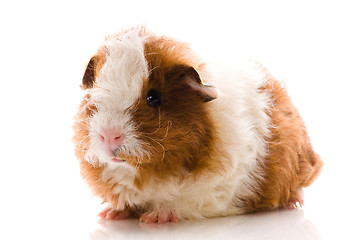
266, 225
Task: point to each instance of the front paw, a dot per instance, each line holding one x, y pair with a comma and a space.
160, 216
113, 214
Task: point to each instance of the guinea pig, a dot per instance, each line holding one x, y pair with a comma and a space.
156, 140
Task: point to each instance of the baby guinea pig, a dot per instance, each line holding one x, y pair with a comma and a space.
156, 141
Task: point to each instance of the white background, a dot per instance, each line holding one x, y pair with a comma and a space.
314, 46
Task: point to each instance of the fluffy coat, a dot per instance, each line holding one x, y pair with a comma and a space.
203, 152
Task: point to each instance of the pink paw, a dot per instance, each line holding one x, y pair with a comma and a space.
112, 214
161, 216
294, 204
296, 201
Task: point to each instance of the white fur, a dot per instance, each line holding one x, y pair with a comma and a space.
239, 114
116, 90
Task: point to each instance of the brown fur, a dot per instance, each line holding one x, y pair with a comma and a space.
94, 66
181, 144
291, 163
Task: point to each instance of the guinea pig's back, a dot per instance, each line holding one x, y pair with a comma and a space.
290, 163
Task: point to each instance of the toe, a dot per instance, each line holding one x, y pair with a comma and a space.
111, 214
161, 216
103, 214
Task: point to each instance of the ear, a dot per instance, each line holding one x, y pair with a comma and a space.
89, 75
190, 77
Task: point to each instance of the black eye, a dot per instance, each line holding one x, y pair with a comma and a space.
153, 98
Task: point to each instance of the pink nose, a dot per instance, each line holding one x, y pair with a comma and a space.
112, 138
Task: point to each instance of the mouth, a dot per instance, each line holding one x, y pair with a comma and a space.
118, 160
115, 157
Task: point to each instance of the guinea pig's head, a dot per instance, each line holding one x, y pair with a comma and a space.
145, 107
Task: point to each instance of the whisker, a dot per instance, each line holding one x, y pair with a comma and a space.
81, 142
159, 123
138, 164
80, 130
151, 70
82, 122
166, 133
151, 53
159, 145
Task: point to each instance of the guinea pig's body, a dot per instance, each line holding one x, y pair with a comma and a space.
154, 140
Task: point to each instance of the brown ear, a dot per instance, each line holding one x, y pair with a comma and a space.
190, 77
89, 75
